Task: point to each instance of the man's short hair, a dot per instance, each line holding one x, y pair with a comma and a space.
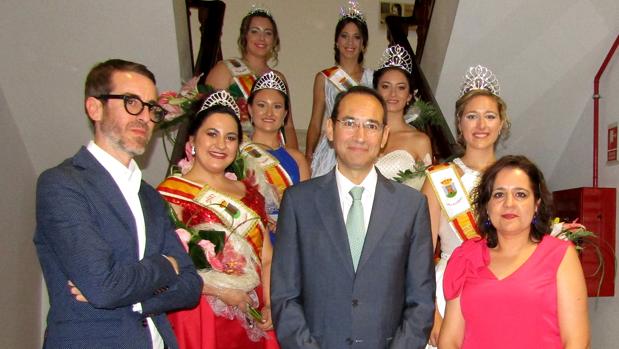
99, 79
362, 90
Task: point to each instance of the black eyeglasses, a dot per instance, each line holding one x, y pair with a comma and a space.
134, 106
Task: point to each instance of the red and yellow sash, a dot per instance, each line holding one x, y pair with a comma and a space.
339, 78
241, 74
273, 170
233, 214
454, 199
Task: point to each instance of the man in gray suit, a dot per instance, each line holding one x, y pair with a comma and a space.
352, 265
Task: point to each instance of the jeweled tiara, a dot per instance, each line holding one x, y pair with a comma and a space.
480, 78
352, 11
397, 56
222, 98
270, 80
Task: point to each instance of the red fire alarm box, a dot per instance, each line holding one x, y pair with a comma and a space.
595, 208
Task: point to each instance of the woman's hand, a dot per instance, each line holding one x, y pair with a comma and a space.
267, 323
233, 298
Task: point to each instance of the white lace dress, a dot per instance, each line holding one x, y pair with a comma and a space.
398, 160
324, 156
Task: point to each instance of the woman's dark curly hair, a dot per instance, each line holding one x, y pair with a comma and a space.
482, 194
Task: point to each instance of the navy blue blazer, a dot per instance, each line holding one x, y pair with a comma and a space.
86, 233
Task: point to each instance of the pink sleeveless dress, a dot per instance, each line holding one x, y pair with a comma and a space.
518, 311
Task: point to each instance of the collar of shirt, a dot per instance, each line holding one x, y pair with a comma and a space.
127, 178
367, 199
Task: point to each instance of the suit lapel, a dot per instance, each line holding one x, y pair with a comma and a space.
107, 189
380, 217
328, 205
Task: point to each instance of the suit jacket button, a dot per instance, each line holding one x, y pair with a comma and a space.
355, 302
349, 341
144, 323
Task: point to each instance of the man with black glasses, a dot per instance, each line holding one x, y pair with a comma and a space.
112, 262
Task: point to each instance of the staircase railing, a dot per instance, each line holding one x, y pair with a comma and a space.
444, 145
211, 18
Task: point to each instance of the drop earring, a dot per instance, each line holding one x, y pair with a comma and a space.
193, 150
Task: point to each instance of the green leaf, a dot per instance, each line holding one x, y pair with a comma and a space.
217, 237
238, 168
197, 256
177, 222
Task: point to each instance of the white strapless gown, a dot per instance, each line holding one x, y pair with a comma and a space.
398, 160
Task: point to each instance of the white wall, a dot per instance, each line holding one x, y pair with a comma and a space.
52, 47
573, 170
20, 294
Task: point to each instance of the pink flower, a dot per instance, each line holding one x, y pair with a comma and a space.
230, 175
169, 101
573, 226
190, 88
211, 257
185, 236
232, 260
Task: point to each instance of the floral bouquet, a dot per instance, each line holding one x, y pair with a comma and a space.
580, 236
182, 104
574, 232
414, 177
224, 260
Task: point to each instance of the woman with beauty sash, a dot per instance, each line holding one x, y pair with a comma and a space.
276, 167
236, 286
481, 120
259, 45
351, 40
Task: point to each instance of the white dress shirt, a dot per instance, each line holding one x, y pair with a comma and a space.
367, 198
128, 180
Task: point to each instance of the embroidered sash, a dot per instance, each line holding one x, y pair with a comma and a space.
339, 78
273, 170
241, 74
234, 214
454, 199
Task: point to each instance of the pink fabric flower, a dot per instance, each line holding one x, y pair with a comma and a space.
465, 261
187, 163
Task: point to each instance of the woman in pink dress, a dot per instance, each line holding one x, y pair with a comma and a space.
517, 286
